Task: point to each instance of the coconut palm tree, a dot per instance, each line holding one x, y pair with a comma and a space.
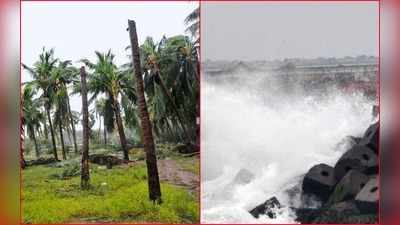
151, 159
103, 109
60, 115
157, 61
172, 84
61, 76
193, 23
31, 114
105, 78
41, 73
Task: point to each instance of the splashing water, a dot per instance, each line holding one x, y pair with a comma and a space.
274, 132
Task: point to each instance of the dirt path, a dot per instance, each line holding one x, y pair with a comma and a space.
172, 173
169, 171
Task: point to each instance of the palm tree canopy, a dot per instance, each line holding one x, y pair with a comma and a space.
193, 22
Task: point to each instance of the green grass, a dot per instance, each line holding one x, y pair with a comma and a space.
117, 195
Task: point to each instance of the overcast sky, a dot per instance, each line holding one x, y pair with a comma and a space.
275, 30
77, 29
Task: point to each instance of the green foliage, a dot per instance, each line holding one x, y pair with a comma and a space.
117, 195
193, 22
171, 84
70, 170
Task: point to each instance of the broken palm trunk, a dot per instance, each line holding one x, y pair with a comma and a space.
85, 125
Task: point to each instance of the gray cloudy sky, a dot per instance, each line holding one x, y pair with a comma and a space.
274, 30
77, 29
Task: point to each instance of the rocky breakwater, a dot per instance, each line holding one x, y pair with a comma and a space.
347, 192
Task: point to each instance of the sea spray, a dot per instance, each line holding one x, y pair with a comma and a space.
277, 130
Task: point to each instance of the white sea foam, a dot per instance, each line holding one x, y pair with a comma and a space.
275, 132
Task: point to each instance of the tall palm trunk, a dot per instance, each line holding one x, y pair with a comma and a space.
174, 107
22, 161
69, 134
64, 155
46, 132
53, 139
99, 134
169, 130
72, 126
85, 176
151, 159
104, 131
33, 136
120, 126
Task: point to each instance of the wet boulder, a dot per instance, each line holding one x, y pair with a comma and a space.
337, 213
319, 181
354, 140
306, 215
348, 187
359, 158
344, 212
375, 111
371, 137
367, 199
267, 208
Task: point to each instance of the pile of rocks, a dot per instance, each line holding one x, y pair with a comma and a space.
348, 192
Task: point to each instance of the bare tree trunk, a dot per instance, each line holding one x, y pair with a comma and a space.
64, 155
53, 140
46, 132
151, 159
120, 126
32, 131
99, 134
85, 176
104, 131
22, 161
72, 126
68, 128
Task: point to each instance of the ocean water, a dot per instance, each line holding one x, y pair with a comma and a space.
273, 131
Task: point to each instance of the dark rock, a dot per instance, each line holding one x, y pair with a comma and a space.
367, 199
107, 160
354, 140
267, 208
375, 111
41, 161
358, 158
348, 187
319, 181
344, 212
306, 215
371, 137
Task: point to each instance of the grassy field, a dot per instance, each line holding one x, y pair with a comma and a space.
51, 194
